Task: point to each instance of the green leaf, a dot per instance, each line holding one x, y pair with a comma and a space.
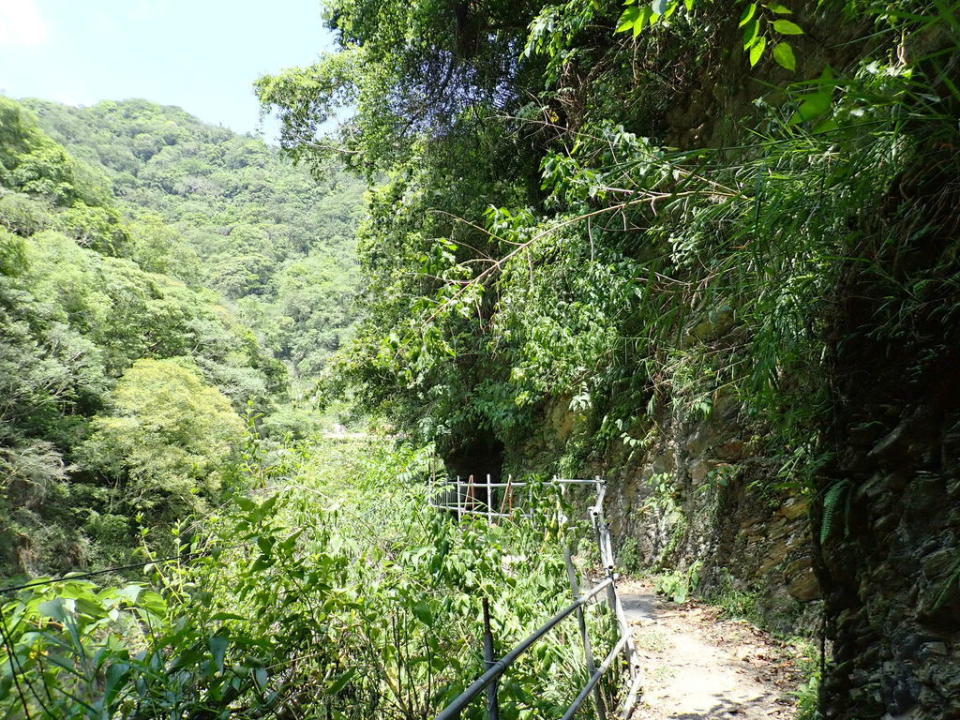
659, 7
786, 27
266, 507
646, 16
130, 593
218, 647
423, 613
756, 52
779, 9
627, 20
152, 602
750, 33
748, 13
828, 125
831, 501
340, 681
813, 106
783, 54
260, 676
54, 609
116, 677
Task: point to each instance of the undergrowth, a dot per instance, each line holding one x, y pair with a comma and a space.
332, 590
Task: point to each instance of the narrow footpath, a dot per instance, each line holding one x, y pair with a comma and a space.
699, 667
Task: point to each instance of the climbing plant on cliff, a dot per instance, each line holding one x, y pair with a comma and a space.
598, 200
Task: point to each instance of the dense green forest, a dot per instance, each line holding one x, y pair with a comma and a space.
710, 251
144, 318
224, 211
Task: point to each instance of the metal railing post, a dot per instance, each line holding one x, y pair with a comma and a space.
489, 501
493, 709
613, 598
454, 709
488, 682
584, 635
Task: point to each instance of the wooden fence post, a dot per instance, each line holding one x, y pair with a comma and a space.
507, 501
471, 500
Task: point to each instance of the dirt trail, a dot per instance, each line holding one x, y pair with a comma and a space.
699, 667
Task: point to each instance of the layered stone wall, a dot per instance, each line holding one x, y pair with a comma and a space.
702, 497
891, 571
890, 560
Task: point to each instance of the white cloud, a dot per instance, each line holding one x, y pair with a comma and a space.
21, 24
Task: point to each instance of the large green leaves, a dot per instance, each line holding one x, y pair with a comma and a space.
783, 54
757, 20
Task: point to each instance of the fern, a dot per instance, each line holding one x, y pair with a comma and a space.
831, 502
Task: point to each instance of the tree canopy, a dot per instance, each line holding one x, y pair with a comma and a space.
165, 432
632, 206
138, 324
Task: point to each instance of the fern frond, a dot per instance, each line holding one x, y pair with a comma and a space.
831, 501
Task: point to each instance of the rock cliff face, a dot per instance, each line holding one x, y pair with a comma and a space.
890, 559
891, 571
700, 501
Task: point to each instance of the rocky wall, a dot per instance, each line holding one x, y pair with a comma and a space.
700, 497
890, 557
704, 497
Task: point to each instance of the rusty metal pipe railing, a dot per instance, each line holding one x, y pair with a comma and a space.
453, 710
588, 658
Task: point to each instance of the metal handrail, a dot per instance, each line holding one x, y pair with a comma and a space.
453, 710
595, 678
484, 513
552, 481
470, 504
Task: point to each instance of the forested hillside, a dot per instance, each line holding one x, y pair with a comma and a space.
224, 211
708, 251
145, 317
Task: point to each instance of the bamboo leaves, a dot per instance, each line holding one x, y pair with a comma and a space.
761, 27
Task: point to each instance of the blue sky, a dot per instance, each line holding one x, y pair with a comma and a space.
202, 55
